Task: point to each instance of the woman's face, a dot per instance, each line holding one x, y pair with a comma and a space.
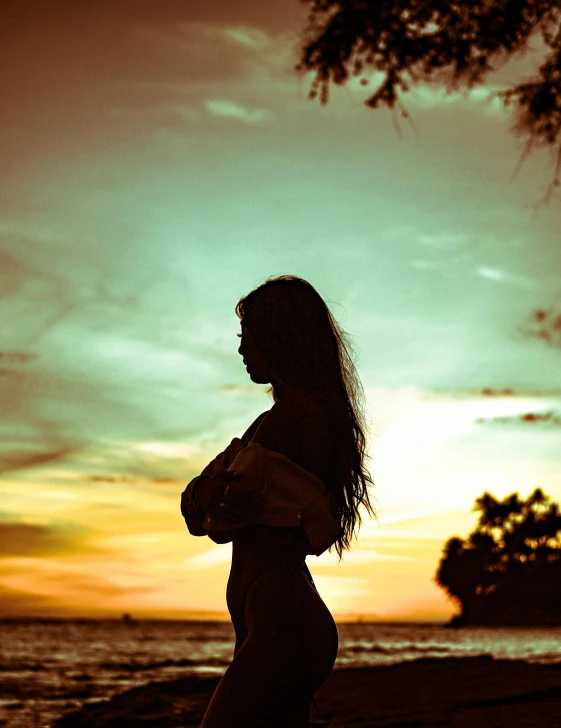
254, 363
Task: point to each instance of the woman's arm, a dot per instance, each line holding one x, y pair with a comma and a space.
204, 490
210, 487
191, 508
206, 493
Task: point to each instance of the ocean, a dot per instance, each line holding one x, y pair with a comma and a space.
50, 667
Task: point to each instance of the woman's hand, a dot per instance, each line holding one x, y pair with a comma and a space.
211, 484
219, 498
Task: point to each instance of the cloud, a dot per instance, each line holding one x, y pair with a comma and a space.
341, 592
10, 462
227, 109
488, 392
550, 418
482, 99
546, 325
133, 80
492, 273
206, 53
444, 241
249, 37
62, 592
508, 392
164, 481
12, 361
59, 13
359, 556
216, 556
19, 602
33, 295
30, 540
502, 276
19, 357
238, 389
431, 95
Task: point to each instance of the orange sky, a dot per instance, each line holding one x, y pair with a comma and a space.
159, 161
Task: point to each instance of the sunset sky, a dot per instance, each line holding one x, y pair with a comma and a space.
159, 161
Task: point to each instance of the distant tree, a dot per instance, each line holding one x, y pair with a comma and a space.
508, 570
455, 44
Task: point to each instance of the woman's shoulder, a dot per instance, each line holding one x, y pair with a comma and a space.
251, 430
296, 428
276, 430
290, 413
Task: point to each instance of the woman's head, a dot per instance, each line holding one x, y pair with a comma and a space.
292, 334
291, 339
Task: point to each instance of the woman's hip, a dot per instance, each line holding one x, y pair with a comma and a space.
285, 612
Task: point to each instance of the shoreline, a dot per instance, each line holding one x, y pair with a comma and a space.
460, 692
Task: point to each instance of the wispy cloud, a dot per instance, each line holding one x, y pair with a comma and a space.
34, 295
249, 37
30, 539
502, 276
444, 241
360, 556
529, 418
11, 462
216, 556
231, 110
18, 357
430, 95
494, 274
545, 324
132, 480
482, 99
342, 591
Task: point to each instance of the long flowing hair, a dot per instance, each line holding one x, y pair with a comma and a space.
308, 351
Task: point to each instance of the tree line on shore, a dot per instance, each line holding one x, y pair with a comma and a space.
508, 570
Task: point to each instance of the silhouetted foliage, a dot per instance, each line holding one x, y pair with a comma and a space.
508, 570
455, 44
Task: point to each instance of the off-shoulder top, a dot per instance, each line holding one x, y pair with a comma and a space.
283, 500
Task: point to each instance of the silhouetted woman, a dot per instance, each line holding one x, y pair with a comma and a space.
290, 486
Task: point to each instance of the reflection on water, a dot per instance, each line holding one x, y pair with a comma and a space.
47, 668
384, 644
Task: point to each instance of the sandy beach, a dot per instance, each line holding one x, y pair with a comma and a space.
430, 692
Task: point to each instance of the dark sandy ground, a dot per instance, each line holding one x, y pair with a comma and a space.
476, 692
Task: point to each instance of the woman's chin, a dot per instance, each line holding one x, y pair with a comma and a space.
256, 379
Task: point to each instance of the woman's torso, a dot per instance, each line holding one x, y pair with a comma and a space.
258, 548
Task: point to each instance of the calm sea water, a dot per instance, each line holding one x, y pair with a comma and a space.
48, 668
